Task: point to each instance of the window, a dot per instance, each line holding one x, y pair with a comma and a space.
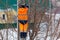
3, 16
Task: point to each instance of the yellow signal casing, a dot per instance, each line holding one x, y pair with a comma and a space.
22, 15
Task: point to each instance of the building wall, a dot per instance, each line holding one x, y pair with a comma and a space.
10, 16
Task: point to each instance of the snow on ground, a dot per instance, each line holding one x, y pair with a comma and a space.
12, 34
57, 16
28, 38
58, 39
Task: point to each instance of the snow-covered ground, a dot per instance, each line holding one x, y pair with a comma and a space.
10, 33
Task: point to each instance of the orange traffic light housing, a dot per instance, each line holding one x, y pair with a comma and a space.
23, 20
23, 16
22, 13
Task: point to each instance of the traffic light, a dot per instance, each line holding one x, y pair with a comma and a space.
23, 20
